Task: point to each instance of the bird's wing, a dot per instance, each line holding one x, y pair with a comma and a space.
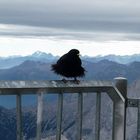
69, 60
64, 60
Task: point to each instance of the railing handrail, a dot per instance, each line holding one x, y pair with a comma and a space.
12, 84
54, 86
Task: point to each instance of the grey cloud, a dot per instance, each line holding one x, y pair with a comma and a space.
121, 16
38, 32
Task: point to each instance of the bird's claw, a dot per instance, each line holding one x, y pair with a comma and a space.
64, 80
77, 81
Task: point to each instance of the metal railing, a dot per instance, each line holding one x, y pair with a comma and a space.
135, 103
116, 91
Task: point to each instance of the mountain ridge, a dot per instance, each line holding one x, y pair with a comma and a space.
102, 70
11, 61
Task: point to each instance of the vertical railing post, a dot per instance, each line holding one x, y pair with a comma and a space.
79, 116
138, 122
59, 116
19, 116
121, 85
119, 110
39, 114
97, 120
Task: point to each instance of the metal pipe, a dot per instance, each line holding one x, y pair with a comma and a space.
79, 116
19, 116
59, 116
97, 120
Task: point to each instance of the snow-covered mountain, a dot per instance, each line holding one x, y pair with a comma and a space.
11, 61
116, 58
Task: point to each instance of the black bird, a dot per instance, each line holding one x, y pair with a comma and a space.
69, 65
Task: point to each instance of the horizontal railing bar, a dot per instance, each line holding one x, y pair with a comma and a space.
54, 90
31, 87
51, 84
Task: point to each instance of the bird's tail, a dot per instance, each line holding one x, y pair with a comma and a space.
55, 68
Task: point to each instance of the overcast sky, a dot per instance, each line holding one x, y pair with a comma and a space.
103, 26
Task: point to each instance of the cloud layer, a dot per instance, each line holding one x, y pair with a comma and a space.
121, 17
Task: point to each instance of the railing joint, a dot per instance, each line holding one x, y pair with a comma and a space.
131, 102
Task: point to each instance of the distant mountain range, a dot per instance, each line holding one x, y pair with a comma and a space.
11, 61
116, 58
102, 70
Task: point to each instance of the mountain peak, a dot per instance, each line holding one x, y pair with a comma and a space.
39, 54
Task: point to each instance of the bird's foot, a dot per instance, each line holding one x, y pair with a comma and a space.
76, 81
64, 80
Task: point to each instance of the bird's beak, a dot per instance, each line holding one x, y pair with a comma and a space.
79, 54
